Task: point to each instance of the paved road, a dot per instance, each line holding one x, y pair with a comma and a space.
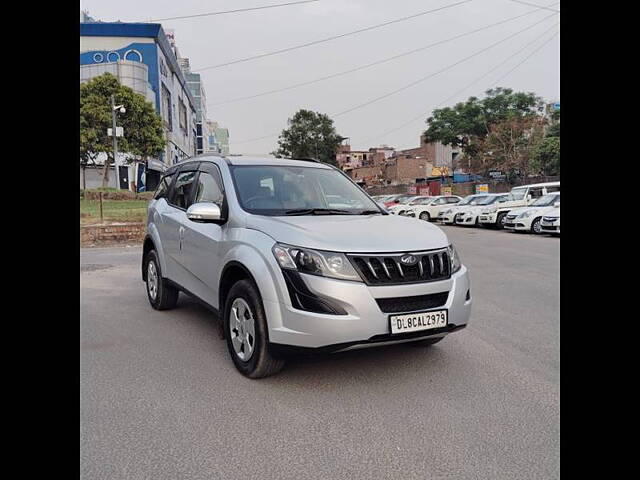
160, 399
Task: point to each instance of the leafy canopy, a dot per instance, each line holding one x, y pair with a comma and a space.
143, 132
467, 124
310, 135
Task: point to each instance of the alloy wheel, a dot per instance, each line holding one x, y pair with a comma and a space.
152, 280
242, 329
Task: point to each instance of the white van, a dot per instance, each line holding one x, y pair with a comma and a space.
520, 196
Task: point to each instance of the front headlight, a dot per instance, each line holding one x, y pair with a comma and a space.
456, 264
526, 214
315, 262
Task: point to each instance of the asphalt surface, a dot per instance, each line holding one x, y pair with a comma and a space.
160, 398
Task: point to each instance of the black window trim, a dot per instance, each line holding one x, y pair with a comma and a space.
187, 167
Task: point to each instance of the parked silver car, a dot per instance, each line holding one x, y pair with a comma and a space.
259, 241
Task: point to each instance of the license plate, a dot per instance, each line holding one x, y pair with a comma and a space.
415, 322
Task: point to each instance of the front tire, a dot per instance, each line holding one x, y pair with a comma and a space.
162, 296
535, 226
246, 332
425, 216
502, 218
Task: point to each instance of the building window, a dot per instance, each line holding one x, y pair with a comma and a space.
182, 116
133, 55
166, 103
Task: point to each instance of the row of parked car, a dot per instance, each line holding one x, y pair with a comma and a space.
531, 208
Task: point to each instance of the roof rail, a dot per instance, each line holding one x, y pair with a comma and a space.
309, 159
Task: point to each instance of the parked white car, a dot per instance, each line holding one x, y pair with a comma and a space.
471, 215
401, 208
430, 209
551, 222
528, 218
520, 196
448, 215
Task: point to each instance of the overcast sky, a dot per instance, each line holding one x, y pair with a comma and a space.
218, 39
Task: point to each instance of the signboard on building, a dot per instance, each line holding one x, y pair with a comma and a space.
119, 132
412, 189
482, 188
447, 191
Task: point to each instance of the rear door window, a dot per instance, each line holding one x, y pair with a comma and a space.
163, 189
182, 194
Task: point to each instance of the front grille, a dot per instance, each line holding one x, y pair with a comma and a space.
511, 217
412, 304
549, 219
389, 270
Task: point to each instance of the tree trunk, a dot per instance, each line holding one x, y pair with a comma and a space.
105, 172
84, 178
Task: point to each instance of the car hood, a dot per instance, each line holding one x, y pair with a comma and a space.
473, 209
519, 210
351, 233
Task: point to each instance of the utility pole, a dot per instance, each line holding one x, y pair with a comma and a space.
121, 109
115, 140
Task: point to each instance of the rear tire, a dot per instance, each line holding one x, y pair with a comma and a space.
425, 216
246, 332
426, 342
162, 296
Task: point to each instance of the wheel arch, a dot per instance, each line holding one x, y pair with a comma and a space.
147, 246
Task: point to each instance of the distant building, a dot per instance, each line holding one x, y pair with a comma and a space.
218, 138
196, 87
142, 57
386, 166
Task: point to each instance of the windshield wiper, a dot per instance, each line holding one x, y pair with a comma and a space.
317, 211
370, 212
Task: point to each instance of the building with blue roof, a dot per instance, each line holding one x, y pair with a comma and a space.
140, 56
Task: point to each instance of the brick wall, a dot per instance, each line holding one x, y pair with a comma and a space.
110, 234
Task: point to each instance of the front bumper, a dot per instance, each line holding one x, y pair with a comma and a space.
365, 323
517, 223
488, 218
466, 220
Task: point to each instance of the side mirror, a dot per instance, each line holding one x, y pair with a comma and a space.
557, 204
204, 212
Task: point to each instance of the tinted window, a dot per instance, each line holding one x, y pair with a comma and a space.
453, 200
208, 189
280, 190
182, 192
163, 188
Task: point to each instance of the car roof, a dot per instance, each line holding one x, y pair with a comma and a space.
252, 160
545, 184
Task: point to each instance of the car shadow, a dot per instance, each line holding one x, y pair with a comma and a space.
333, 370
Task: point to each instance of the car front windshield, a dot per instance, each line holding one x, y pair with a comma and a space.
475, 200
423, 201
275, 190
488, 200
546, 201
518, 193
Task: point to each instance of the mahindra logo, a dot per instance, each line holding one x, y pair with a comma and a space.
408, 259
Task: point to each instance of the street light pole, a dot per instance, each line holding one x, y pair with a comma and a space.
115, 140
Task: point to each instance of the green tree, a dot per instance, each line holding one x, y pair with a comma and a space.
546, 158
310, 135
511, 143
143, 132
468, 124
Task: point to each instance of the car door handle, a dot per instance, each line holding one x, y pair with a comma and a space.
180, 236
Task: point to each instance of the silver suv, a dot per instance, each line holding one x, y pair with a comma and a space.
292, 256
